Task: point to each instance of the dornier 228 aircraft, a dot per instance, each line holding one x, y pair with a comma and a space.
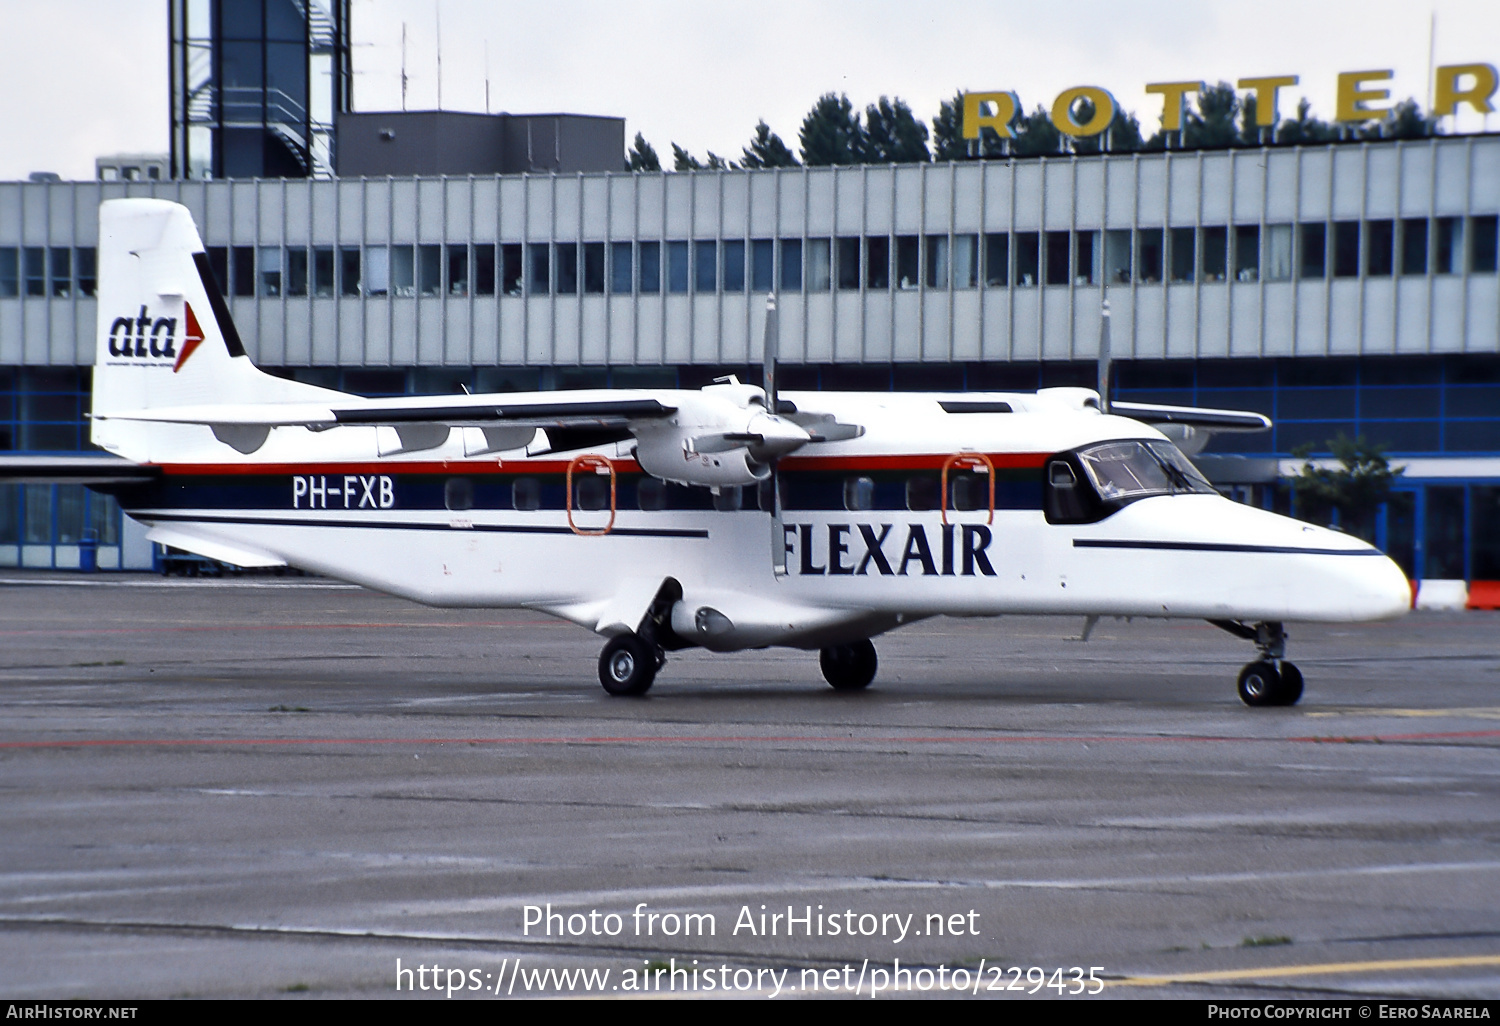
729, 517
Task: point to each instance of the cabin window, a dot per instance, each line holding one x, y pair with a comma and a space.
922, 494
526, 494
591, 491
458, 493
651, 494
968, 491
859, 493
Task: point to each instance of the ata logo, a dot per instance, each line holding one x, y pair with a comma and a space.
146, 338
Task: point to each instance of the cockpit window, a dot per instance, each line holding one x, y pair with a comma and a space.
1133, 470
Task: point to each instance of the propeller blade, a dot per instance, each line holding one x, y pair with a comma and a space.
769, 354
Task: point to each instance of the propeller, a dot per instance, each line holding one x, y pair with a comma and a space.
773, 405
1104, 356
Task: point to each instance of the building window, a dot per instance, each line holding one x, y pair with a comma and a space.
935, 265
878, 262
677, 266
1215, 254
965, 261
1117, 256
593, 268
10, 273
1083, 257
791, 265
242, 270
1346, 249
846, 259
270, 272
1380, 248
1447, 258
734, 265
538, 268
35, 261
458, 270
1414, 245
620, 268
762, 265
908, 261
1482, 243
1246, 252
819, 276
403, 271
378, 271
349, 270
1279, 252
1148, 254
1182, 254
1057, 258
512, 274
705, 266
649, 271
1311, 250
484, 270
322, 268
296, 272
566, 282
997, 259
61, 260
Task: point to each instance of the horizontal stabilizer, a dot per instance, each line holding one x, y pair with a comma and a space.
87, 470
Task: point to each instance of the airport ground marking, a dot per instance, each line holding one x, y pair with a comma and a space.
664, 739
1310, 969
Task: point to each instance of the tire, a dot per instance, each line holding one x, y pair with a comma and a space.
627, 666
849, 667
1291, 685
1260, 684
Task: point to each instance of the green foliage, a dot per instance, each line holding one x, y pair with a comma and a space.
767, 150
1036, 135
1355, 489
1211, 126
1305, 128
948, 142
831, 133
893, 135
641, 156
1406, 121
682, 160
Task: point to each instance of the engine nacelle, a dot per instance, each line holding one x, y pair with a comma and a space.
663, 454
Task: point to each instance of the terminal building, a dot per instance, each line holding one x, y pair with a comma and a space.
1344, 289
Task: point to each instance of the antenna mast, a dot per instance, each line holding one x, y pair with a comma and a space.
403, 65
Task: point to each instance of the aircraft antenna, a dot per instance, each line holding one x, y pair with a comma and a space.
768, 381
1104, 355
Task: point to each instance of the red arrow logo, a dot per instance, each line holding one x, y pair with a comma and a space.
193, 340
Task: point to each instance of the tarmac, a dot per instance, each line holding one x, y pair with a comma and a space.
279, 787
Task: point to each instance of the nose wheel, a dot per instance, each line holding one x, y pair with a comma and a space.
849, 667
1271, 679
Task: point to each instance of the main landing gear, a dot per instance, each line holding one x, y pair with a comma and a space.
628, 665
1271, 679
849, 667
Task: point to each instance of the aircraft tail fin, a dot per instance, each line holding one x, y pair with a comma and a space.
165, 336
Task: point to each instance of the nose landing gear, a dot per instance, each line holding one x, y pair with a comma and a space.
1271, 679
849, 667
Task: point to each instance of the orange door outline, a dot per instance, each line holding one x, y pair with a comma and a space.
969, 461
596, 464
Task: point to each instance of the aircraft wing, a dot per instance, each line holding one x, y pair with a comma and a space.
1193, 417
86, 469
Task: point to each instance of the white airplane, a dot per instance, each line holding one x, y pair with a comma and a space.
663, 518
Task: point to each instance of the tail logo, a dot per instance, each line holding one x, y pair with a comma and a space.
193, 340
153, 340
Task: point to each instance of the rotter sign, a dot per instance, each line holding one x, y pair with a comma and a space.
1358, 91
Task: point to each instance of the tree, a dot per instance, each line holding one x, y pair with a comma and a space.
893, 135
831, 133
948, 140
682, 160
641, 157
1406, 121
1035, 135
1305, 128
1211, 126
1354, 490
767, 150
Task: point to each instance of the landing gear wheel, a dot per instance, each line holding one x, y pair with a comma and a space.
1260, 683
849, 667
1291, 684
628, 665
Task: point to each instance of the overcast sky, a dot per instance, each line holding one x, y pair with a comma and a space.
83, 78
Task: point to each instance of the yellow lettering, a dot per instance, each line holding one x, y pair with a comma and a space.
1449, 95
1352, 99
1006, 106
1172, 95
1265, 90
1062, 110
